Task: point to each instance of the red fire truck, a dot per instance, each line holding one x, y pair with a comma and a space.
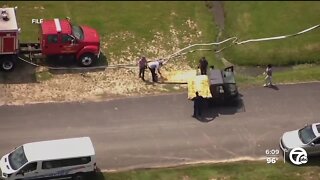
57, 37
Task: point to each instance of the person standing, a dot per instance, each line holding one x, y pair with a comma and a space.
203, 64
142, 67
197, 105
153, 67
268, 78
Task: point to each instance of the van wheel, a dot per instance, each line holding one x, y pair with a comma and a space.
87, 59
7, 65
78, 177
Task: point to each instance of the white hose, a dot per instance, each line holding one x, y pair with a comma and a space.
235, 42
279, 37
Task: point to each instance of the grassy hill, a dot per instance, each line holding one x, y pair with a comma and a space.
158, 29
260, 19
129, 29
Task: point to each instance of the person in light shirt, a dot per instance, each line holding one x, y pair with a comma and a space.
268, 78
154, 67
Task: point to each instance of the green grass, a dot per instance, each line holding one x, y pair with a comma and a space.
43, 76
298, 73
261, 19
238, 170
128, 29
247, 81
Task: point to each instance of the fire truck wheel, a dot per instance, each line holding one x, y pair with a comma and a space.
7, 65
87, 59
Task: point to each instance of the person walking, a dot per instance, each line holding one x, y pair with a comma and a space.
142, 66
197, 105
268, 78
203, 65
154, 67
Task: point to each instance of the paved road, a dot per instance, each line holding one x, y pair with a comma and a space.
159, 130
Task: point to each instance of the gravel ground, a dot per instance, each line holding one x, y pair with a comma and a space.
23, 87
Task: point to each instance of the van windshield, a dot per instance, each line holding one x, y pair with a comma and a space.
17, 158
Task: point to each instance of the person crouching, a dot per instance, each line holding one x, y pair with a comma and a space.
154, 67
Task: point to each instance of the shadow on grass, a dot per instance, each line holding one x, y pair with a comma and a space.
147, 82
213, 108
98, 176
23, 73
26, 73
312, 161
73, 65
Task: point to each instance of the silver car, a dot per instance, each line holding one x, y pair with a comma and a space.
307, 138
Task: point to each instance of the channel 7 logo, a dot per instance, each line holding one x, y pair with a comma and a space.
298, 156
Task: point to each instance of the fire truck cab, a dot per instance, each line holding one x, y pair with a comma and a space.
60, 37
9, 43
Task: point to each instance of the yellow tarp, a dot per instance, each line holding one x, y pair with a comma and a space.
199, 83
179, 76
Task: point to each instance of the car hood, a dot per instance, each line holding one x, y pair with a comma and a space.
5, 166
90, 35
291, 139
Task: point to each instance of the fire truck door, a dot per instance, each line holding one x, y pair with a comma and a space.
51, 45
68, 44
8, 44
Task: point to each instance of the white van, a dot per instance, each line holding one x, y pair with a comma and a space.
70, 158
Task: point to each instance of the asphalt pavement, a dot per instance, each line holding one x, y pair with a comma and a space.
157, 131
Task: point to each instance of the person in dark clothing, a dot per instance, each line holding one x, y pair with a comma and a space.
203, 65
197, 105
142, 67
